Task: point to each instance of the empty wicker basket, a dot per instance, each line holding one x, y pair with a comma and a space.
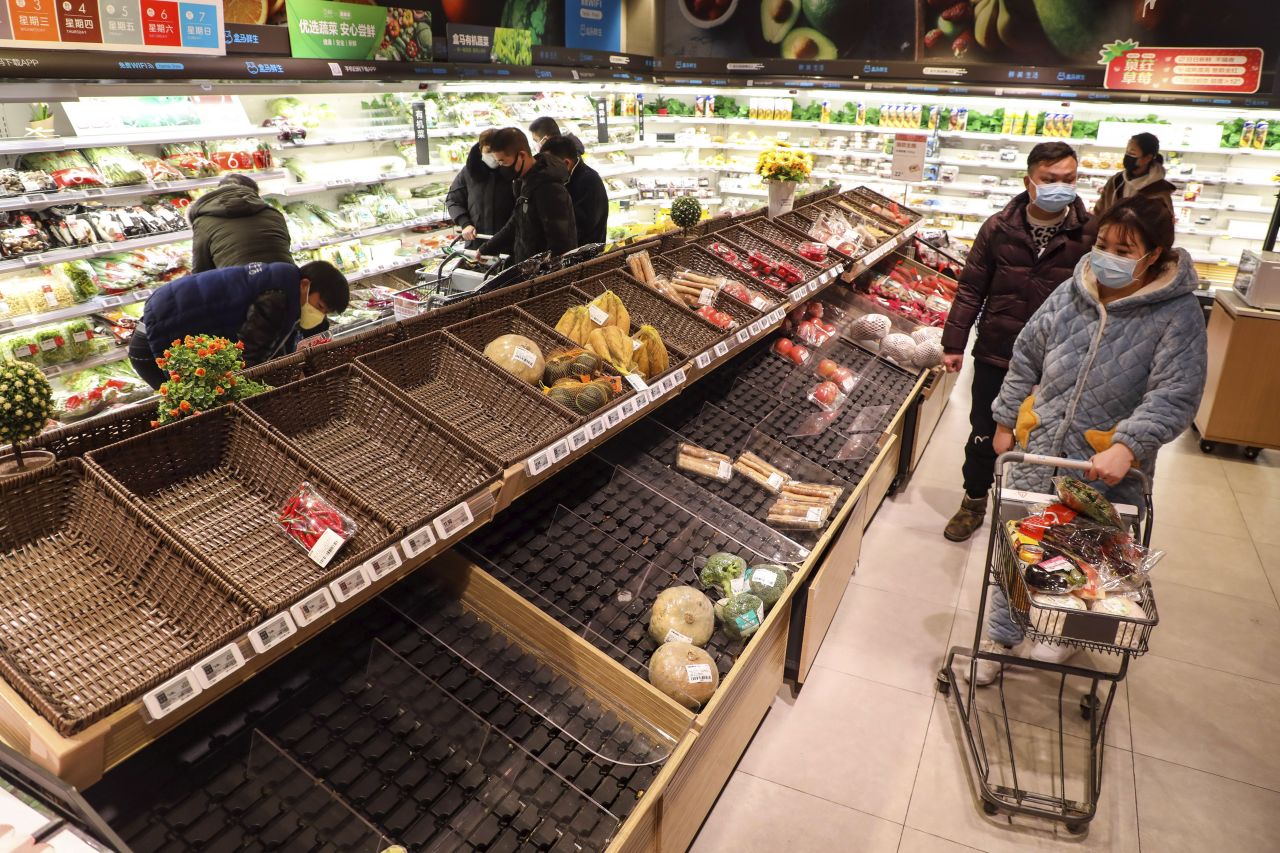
404, 461
218, 482
99, 603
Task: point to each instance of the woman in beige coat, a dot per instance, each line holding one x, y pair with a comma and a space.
1143, 174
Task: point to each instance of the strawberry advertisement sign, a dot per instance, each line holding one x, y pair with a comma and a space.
1229, 70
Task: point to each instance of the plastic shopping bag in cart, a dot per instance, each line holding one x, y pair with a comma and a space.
1121, 563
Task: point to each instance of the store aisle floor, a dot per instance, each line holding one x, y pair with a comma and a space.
869, 757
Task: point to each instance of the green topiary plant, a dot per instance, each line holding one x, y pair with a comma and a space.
202, 376
25, 403
686, 212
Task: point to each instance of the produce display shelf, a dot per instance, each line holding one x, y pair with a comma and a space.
97, 250
84, 309
390, 228
36, 201
109, 357
312, 187
400, 262
387, 133
83, 757
66, 143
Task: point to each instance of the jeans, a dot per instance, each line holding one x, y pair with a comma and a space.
144, 363
979, 455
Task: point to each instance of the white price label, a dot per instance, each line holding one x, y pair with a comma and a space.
218, 665
326, 546
351, 584
721, 349
313, 606
636, 381
776, 481
338, 183
698, 673
49, 344
797, 295
111, 301
702, 360
596, 428
641, 399
768, 577
613, 417
778, 314
656, 391
674, 636
171, 695
760, 303
418, 541
724, 471
598, 315
560, 450
679, 377
51, 298
525, 356
383, 564
814, 513
538, 463
668, 382
578, 439
707, 296
738, 585
141, 294
744, 335
453, 522
273, 632
81, 337
628, 408
756, 327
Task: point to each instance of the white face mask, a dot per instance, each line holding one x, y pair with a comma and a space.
489, 160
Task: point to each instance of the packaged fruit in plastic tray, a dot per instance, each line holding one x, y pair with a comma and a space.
717, 318
813, 251
69, 169
747, 296
787, 349
826, 395
831, 371
913, 292
814, 331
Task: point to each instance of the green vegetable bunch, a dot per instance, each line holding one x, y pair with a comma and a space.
512, 46
202, 376
26, 401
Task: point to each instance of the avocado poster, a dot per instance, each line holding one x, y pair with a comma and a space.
1023, 32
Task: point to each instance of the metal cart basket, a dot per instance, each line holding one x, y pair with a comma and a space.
1000, 786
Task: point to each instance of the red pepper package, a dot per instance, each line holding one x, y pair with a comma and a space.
1035, 525
317, 526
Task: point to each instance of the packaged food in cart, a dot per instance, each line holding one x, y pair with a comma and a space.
315, 525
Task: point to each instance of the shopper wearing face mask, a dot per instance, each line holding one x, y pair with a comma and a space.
479, 199
1143, 174
1019, 256
543, 217
1109, 370
266, 307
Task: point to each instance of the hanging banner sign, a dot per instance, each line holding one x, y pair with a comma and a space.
593, 24
908, 156
136, 26
320, 29
1233, 70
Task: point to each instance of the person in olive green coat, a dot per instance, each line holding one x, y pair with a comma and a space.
232, 226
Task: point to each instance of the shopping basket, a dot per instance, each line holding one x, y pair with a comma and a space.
1000, 786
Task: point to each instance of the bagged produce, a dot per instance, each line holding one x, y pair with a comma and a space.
682, 614
117, 165
741, 613
684, 672
767, 582
517, 355
190, 159
315, 525
1084, 498
69, 169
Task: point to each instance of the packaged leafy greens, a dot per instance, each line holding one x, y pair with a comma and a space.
117, 165
69, 169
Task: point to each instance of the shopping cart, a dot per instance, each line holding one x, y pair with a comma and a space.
1000, 787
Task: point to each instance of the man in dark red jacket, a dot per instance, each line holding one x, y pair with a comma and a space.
1020, 256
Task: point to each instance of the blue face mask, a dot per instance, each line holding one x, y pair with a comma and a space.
1111, 270
1053, 198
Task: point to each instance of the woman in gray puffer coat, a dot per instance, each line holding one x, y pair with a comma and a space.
1108, 370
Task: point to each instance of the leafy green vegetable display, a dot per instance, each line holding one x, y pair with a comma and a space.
118, 165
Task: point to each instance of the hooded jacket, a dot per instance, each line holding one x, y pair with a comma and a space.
1085, 375
232, 226
258, 305
1005, 280
1118, 188
543, 216
480, 196
590, 204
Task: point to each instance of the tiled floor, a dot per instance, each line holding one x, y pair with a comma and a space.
869, 758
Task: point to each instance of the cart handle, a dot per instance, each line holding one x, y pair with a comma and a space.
1015, 457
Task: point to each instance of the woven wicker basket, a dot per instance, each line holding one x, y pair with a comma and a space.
218, 482
703, 262
683, 331
279, 371
433, 321
347, 422
749, 240
78, 439
784, 238
100, 604
347, 350
478, 332
501, 414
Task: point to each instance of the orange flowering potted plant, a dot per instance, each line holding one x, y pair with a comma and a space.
203, 374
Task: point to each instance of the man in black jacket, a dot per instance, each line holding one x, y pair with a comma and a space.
1020, 256
586, 188
232, 226
479, 198
543, 218
544, 128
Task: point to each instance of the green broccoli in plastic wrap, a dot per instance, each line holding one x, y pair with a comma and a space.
721, 570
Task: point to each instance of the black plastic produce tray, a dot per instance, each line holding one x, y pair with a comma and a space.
540, 549
192, 790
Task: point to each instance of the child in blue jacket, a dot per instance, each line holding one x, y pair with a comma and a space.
1108, 370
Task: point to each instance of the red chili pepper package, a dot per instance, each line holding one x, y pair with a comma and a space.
317, 526
1035, 525
812, 251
